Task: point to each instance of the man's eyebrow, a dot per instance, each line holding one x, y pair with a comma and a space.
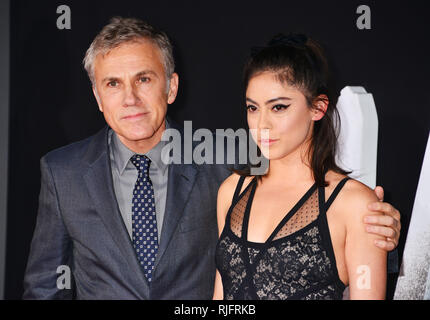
109, 79
144, 73
139, 74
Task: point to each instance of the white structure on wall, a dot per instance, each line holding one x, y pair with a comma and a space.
413, 282
358, 137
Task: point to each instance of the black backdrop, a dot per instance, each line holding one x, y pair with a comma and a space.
52, 103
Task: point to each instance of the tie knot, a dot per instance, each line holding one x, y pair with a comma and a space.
141, 162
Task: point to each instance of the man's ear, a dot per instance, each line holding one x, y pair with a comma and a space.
97, 98
173, 88
319, 107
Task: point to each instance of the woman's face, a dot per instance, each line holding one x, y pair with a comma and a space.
280, 109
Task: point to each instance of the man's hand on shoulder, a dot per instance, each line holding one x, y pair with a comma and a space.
386, 223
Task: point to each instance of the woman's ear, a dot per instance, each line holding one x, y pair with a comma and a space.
319, 107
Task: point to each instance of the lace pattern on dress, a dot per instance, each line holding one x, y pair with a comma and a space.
294, 264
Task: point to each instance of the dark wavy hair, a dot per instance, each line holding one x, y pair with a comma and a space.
300, 62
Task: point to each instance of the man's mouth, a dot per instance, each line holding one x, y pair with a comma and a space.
135, 116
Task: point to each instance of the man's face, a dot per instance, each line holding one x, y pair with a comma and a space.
131, 91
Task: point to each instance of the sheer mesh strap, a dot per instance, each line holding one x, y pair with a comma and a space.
238, 207
238, 188
335, 192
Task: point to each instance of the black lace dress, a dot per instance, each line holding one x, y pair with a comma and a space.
296, 262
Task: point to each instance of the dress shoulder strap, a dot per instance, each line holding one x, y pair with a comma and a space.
238, 188
335, 192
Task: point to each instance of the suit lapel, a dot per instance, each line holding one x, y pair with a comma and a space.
181, 178
180, 183
98, 179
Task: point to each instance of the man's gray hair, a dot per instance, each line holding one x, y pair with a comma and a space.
121, 30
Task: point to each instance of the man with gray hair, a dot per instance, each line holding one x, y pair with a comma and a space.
127, 224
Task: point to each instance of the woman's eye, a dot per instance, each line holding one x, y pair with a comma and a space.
251, 108
280, 107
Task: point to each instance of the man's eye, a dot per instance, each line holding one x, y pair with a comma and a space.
143, 79
280, 107
112, 83
251, 108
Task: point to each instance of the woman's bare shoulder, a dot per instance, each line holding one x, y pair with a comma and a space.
228, 186
352, 200
225, 194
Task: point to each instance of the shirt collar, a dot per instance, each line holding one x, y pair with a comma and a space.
122, 154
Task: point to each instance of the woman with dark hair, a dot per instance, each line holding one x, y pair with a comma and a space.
295, 232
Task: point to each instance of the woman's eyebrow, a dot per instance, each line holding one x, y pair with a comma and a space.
269, 101
276, 99
252, 101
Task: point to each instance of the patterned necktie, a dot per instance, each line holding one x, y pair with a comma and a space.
144, 222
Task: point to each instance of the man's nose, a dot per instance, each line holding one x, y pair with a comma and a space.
131, 97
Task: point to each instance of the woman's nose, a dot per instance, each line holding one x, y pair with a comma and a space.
264, 121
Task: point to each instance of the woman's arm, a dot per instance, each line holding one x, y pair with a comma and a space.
366, 263
225, 195
218, 290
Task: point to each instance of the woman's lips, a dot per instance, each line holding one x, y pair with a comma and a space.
268, 142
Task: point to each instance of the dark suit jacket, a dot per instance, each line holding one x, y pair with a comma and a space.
79, 225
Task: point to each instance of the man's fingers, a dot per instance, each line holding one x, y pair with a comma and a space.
388, 221
385, 245
382, 207
382, 231
386, 225
388, 210
379, 191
